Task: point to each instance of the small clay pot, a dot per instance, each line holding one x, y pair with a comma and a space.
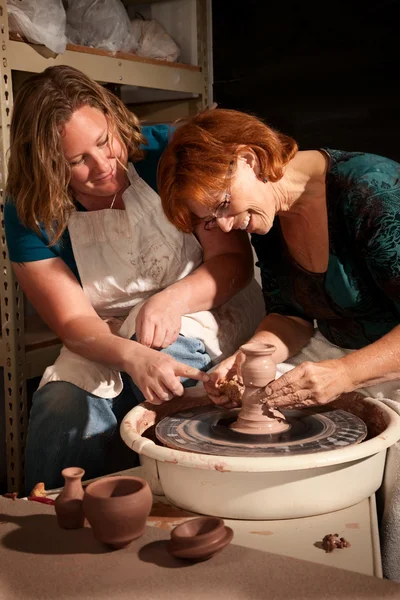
117, 508
258, 368
68, 504
199, 539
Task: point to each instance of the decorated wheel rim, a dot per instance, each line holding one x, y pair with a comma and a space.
206, 430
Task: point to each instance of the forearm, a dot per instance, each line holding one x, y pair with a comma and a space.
156, 374
91, 338
213, 283
376, 363
288, 334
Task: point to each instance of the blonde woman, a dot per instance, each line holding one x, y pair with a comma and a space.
134, 301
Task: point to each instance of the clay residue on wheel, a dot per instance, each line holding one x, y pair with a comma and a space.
371, 414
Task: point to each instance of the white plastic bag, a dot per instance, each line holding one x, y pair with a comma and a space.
154, 41
40, 22
101, 24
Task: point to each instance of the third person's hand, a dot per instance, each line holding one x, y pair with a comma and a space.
158, 322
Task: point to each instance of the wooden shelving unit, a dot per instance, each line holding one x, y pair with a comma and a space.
27, 346
121, 68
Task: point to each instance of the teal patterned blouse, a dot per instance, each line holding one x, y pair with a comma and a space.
357, 300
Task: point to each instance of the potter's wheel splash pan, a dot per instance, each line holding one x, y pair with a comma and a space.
264, 487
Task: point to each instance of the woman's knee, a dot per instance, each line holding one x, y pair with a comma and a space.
64, 406
58, 398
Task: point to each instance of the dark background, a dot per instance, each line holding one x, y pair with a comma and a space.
326, 74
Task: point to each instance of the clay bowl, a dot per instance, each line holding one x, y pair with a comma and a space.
199, 539
117, 508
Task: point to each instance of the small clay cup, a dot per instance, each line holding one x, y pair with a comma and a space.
117, 508
199, 539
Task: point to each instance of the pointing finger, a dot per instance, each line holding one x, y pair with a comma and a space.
190, 372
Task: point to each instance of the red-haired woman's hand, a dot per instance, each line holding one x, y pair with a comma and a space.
309, 384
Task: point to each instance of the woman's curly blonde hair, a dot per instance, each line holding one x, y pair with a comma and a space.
38, 174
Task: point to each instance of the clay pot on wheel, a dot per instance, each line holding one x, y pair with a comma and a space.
117, 508
199, 539
68, 504
258, 370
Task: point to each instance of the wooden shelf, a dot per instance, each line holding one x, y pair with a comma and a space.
121, 67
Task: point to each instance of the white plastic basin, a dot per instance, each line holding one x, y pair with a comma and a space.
264, 487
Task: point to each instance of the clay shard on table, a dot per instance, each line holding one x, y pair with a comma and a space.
199, 539
332, 541
10, 495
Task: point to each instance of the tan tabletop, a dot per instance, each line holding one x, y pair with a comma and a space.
300, 538
297, 538
39, 560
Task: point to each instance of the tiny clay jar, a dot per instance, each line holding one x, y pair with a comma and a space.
68, 504
258, 369
117, 508
199, 539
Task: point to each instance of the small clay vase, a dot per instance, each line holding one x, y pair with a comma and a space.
117, 508
68, 504
199, 539
258, 370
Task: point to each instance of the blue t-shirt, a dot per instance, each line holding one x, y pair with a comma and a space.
25, 245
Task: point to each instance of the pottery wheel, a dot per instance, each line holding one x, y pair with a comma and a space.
205, 430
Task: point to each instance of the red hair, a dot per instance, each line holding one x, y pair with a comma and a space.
196, 162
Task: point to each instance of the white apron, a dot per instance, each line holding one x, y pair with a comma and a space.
124, 257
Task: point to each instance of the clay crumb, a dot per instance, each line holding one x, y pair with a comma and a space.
233, 388
331, 541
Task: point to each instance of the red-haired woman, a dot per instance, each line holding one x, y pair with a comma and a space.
325, 225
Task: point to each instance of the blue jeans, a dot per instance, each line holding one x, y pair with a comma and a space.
70, 427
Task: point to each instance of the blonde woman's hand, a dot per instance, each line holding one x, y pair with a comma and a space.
157, 375
309, 384
226, 369
158, 322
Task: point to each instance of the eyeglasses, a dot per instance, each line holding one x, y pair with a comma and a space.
222, 208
